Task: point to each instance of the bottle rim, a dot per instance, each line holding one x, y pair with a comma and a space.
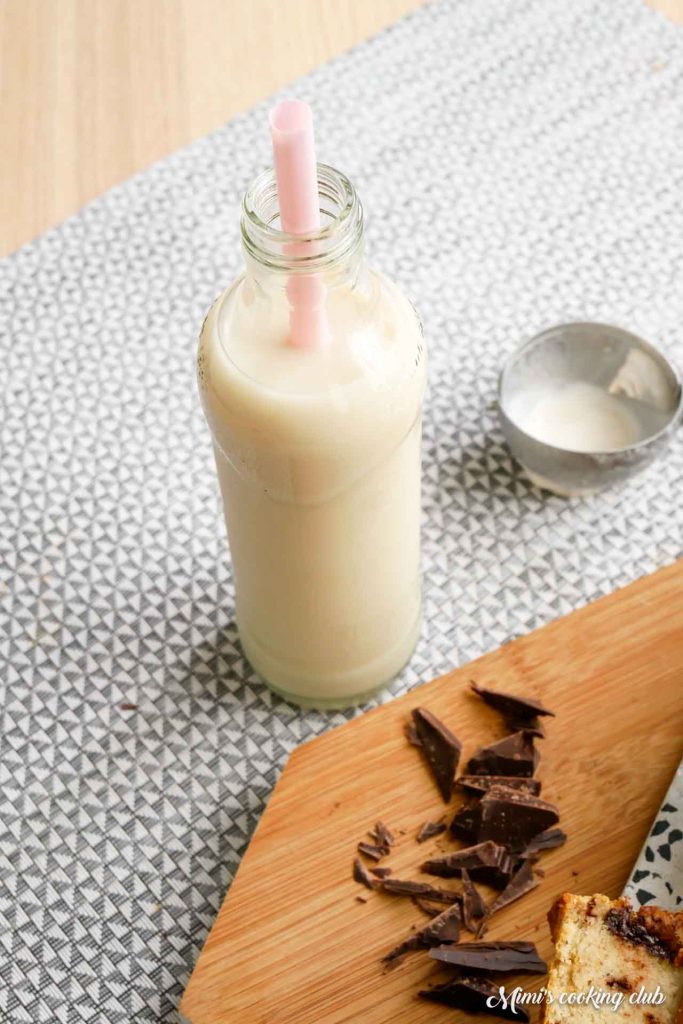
337, 240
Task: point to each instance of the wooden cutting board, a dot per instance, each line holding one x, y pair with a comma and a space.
292, 945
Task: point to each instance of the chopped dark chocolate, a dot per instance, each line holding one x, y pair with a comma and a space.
380, 872
473, 906
520, 713
547, 840
412, 735
400, 887
482, 783
443, 928
522, 881
383, 835
534, 726
472, 995
362, 875
510, 705
426, 907
495, 957
465, 824
486, 862
372, 851
513, 755
430, 829
440, 747
512, 818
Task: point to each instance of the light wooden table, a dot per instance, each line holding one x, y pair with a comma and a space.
92, 91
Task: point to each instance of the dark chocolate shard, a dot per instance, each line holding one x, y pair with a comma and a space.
440, 747
401, 887
429, 829
426, 907
465, 823
472, 994
547, 840
380, 872
510, 705
512, 818
473, 906
522, 882
443, 928
495, 957
534, 726
486, 862
412, 736
362, 875
374, 852
383, 835
482, 783
513, 755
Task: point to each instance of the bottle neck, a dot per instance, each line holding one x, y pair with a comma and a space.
334, 252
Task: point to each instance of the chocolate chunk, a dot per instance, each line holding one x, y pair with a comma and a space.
380, 872
429, 829
623, 983
512, 818
361, 874
382, 835
374, 852
547, 840
486, 862
443, 928
522, 881
427, 908
412, 735
533, 726
497, 957
471, 994
465, 824
473, 906
520, 713
510, 705
513, 755
399, 887
650, 928
482, 783
441, 749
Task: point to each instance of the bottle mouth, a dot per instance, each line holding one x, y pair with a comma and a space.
339, 237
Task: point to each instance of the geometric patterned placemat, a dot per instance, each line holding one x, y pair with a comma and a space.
520, 164
658, 873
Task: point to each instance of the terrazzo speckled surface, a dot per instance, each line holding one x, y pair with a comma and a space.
658, 874
520, 163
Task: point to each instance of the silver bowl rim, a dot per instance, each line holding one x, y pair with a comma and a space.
644, 442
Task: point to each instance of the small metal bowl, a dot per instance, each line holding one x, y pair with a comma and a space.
621, 365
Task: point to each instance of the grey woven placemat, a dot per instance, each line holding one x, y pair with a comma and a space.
520, 163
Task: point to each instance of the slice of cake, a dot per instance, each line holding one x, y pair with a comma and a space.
626, 964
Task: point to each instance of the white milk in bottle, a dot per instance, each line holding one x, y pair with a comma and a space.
318, 453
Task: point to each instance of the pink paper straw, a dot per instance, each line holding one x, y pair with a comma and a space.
296, 174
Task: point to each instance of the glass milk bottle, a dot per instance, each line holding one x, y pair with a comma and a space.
318, 454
